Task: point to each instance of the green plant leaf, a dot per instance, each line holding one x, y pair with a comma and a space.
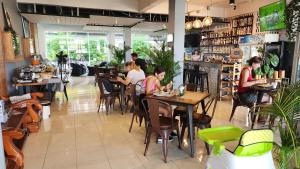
274, 60
266, 69
270, 73
258, 71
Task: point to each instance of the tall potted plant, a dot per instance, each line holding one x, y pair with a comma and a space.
165, 58
119, 53
286, 107
270, 62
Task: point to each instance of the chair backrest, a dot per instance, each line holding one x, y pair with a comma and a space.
212, 103
100, 85
156, 108
191, 87
255, 143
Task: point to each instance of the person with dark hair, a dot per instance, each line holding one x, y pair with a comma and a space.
152, 82
142, 63
246, 95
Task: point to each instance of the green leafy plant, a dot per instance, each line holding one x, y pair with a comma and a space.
270, 62
165, 58
119, 53
286, 107
292, 13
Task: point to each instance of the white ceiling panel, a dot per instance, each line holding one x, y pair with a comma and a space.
47, 19
150, 26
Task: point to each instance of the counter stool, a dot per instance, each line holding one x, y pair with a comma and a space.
201, 76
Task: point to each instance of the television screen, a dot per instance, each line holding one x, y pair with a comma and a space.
272, 16
192, 40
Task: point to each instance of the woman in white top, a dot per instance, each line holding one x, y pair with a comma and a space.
134, 75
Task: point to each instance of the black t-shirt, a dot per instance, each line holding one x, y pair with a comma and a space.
143, 64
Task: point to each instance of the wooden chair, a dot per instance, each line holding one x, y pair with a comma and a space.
107, 98
138, 111
161, 125
201, 121
32, 107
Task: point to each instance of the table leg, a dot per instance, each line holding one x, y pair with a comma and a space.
122, 97
191, 129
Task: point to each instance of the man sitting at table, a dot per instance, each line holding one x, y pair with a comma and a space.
246, 95
135, 57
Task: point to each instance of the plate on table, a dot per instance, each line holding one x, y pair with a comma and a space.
166, 94
265, 85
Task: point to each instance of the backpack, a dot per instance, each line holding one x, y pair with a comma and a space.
108, 86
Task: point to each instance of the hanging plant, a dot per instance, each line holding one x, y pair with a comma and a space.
292, 20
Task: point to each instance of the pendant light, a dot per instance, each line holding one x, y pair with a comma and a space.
188, 25
207, 21
197, 23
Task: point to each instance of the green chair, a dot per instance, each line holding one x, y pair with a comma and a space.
254, 148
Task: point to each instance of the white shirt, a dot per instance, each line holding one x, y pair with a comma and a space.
135, 76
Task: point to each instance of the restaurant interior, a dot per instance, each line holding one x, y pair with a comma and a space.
150, 84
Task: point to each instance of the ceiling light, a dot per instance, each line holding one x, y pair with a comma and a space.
197, 23
232, 2
188, 25
207, 21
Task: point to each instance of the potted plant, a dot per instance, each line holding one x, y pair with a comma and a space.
270, 62
119, 53
165, 58
286, 107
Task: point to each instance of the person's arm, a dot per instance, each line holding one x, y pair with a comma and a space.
126, 81
244, 79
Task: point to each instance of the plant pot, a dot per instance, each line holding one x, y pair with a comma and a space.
275, 75
281, 74
257, 77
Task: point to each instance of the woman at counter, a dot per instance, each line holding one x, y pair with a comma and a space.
247, 95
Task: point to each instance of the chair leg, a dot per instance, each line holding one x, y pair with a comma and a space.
207, 83
206, 145
147, 128
233, 110
65, 92
107, 105
182, 132
165, 137
178, 137
148, 140
133, 115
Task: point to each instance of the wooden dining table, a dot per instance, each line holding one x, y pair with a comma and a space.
189, 100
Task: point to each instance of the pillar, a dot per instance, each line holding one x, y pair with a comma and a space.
111, 41
127, 42
177, 29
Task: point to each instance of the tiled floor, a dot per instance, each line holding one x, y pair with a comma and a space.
77, 137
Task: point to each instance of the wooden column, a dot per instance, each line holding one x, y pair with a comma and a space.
8, 49
3, 87
26, 48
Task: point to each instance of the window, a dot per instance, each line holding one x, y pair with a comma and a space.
80, 46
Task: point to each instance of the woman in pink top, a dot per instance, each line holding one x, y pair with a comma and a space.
246, 95
152, 82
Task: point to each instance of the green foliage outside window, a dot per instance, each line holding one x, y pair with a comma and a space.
79, 46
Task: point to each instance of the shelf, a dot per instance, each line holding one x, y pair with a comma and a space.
217, 37
241, 26
216, 53
218, 45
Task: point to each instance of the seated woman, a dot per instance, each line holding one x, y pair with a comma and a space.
152, 82
246, 95
135, 74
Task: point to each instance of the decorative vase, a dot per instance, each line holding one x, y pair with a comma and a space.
275, 75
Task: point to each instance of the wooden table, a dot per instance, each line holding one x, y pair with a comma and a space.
43, 82
189, 100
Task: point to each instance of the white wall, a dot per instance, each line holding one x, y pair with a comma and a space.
123, 5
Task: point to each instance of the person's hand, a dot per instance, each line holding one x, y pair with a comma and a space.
119, 78
169, 85
261, 81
